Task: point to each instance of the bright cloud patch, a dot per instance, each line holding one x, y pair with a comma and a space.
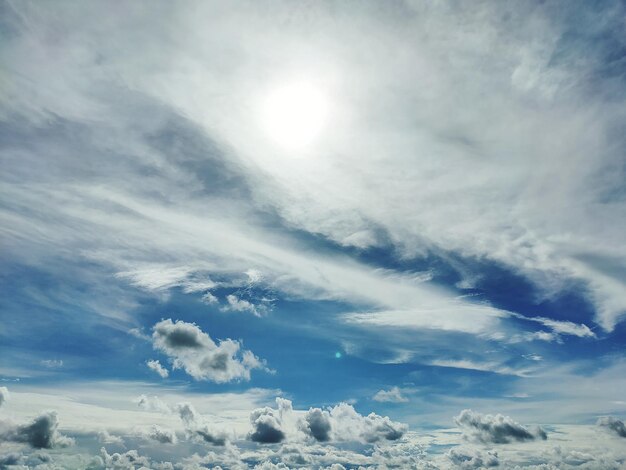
394, 395
191, 349
158, 368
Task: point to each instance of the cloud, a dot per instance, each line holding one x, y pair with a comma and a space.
616, 426
41, 433
4, 395
467, 459
12, 458
496, 429
197, 426
52, 363
343, 423
194, 351
266, 426
162, 435
235, 304
105, 437
156, 366
394, 395
317, 423
558, 327
152, 404
130, 460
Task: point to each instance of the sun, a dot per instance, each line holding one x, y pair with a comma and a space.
294, 114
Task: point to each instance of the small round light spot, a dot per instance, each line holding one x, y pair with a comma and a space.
337, 355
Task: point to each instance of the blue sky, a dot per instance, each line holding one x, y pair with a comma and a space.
306, 234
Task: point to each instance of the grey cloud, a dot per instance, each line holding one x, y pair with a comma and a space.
394, 395
196, 426
4, 395
344, 423
194, 351
467, 459
317, 423
130, 460
41, 433
616, 426
12, 458
162, 435
496, 429
266, 426
180, 335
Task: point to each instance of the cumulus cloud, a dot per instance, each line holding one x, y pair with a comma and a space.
41, 433
496, 429
317, 424
156, 366
467, 459
162, 435
191, 349
4, 395
152, 404
130, 460
394, 395
344, 423
197, 426
266, 426
614, 425
104, 437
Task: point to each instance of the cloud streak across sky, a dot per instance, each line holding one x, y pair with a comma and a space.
443, 232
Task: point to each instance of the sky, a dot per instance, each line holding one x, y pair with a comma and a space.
313, 234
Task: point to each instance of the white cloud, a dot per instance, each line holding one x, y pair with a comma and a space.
343, 423
4, 395
52, 363
156, 366
236, 304
194, 351
393, 395
472, 458
198, 427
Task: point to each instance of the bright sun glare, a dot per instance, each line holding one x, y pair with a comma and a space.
294, 114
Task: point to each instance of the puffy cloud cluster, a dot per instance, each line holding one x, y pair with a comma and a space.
41, 433
162, 435
191, 349
196, 426
267, 423
130, 460
341, 423
344, 423
37, 460
317, 423
616, 426
496, 429
467, 459
348, 425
